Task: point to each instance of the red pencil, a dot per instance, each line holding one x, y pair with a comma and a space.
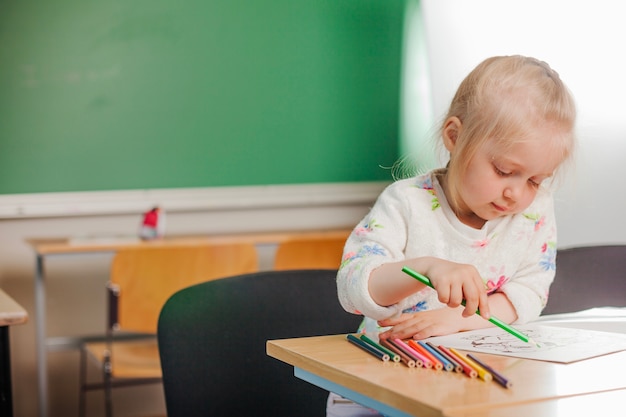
457, 366
468, 370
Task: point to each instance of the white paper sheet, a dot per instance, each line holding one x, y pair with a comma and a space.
557, 344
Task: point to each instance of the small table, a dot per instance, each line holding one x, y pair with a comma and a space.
11, 313
393, 389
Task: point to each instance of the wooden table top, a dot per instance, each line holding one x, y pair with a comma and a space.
429, 393
62, 245
11, 312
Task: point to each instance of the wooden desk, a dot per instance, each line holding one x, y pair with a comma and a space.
396, 390
73, 246
11, 313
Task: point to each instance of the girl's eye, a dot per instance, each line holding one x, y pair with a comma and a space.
500, 172
533, 183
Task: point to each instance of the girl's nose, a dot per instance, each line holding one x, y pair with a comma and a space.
510, 193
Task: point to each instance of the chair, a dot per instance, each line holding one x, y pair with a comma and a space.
320, 252
212, 339
586, 277
141, 281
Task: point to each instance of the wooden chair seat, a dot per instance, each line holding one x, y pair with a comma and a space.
131, 358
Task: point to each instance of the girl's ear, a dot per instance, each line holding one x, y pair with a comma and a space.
451, 131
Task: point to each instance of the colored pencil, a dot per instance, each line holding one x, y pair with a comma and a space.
425, 360
424, 280
435, 363
482, 373
392, 355
457, 366
467, 370
447, 365
409, 352
368, 348
406, 359
496, 375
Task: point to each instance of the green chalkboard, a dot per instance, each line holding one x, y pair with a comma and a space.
141, 94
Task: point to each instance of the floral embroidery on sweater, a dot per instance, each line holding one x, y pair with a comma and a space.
366, 250
427, 184
537, 218
548, 257
421, 306
494, 284
368, 227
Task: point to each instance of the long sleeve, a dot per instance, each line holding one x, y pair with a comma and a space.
529, 287
379, 238
411, 218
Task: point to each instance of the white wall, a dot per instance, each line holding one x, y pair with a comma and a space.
583, 42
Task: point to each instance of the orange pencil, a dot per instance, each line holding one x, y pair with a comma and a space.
436, 362
424, 361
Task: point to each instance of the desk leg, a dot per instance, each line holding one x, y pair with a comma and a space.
40, 337
6, 394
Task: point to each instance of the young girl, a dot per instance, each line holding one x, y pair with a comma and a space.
482, 228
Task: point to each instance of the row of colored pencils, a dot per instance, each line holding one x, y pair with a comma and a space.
416, 353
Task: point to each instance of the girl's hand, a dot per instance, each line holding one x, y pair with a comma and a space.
423, 324
456, 282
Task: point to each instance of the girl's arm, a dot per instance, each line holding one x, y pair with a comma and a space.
453, 281
445, 320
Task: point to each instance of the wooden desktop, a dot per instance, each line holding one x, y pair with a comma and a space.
396, 390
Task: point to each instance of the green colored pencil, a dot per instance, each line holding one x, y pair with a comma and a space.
392, 355
424, 280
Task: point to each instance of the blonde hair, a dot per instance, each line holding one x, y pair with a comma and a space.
501, 101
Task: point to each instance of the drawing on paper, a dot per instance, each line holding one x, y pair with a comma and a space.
556, 344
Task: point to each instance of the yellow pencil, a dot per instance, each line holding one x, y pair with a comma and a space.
482, 372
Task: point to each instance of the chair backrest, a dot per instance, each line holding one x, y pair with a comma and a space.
145, 277
310, 253
586, 277
212, 339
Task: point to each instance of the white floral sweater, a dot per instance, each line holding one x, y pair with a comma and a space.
411, 218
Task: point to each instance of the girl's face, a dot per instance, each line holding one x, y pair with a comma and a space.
502, 183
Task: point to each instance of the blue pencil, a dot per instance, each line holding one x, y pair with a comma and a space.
368, 348
457, 366
447, 365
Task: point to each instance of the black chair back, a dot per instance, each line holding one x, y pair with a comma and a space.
212, 339
586, 277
